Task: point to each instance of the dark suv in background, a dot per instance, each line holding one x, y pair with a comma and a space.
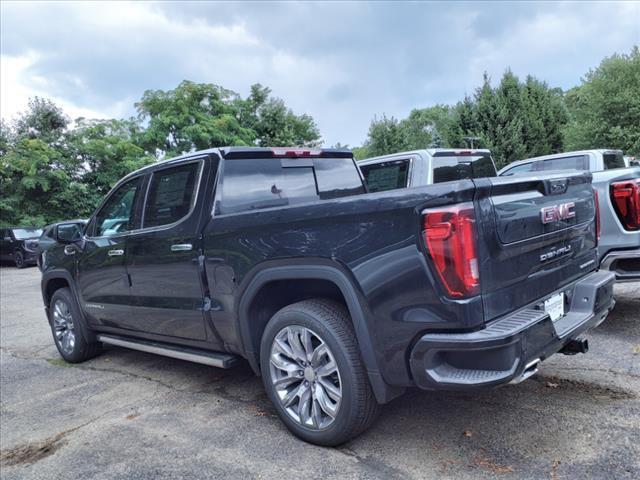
19, 245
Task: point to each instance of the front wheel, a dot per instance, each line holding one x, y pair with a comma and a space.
69, 331
18, 258
313, 373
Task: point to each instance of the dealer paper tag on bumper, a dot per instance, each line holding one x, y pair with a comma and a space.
554, 306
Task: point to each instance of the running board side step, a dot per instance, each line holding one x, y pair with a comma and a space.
215, 359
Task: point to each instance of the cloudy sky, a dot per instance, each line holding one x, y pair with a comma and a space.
343, 63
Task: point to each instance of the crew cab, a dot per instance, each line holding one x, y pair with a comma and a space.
338, 298
618, 187
425, 167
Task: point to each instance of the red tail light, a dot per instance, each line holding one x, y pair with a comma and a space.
625, 197
450, 237
597, 202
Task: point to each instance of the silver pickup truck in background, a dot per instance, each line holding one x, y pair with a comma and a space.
425, 167
618, 188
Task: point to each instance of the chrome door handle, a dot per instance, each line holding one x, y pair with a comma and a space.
116, 253
69, 250
181, 247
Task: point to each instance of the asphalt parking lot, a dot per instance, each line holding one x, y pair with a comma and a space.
132, 415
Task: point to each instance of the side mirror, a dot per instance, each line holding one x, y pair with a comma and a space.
69, 233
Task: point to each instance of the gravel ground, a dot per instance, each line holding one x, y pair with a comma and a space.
132, 415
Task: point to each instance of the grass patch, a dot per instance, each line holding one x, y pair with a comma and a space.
59, 362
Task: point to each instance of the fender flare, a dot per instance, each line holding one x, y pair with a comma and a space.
58, 274
325, 271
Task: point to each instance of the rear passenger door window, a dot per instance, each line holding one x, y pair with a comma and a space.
576, 162
519, 170
170, 196
386, 175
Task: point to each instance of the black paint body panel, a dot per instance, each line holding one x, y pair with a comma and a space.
369, 246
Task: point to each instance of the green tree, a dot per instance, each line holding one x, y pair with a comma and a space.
605, 108
196, 116
427, 127
546, 117
515, 120
423, 128
35, 166
5, 138
385, 136
51, 170
361, 152
505, 125
106, 151
193, 116
273, 123
32, 184
43, 120
463, 124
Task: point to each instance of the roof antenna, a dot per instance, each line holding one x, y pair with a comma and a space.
470, 141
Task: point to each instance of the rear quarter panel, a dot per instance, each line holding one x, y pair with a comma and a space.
374, 238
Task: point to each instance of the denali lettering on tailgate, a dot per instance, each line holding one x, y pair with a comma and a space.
555, 253
563, 211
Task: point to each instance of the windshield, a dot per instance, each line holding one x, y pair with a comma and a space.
449, 167
23, 233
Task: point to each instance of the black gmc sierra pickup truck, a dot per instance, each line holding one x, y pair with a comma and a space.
340, 299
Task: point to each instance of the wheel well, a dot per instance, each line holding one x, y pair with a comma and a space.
53, 285
278, 294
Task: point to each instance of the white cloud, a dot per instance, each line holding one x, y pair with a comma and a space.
340, 63
15, 90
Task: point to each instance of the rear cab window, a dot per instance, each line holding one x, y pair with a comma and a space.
613, 160
253, 184
574, 162
450, 166
388, 175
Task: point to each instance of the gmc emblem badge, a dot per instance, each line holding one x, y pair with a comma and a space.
563, 211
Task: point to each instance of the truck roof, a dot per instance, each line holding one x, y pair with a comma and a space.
429, 151
559, 155
254, 152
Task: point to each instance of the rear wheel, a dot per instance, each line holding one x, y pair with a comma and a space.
69, 332
18, 258
313, 373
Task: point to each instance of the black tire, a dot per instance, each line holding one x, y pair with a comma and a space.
83, 347
358, 407
18, 259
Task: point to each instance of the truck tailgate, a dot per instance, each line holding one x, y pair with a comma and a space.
535, 235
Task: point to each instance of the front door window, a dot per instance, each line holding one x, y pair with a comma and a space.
115, 216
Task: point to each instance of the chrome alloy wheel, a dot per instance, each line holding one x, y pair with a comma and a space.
63, 327
305, 376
